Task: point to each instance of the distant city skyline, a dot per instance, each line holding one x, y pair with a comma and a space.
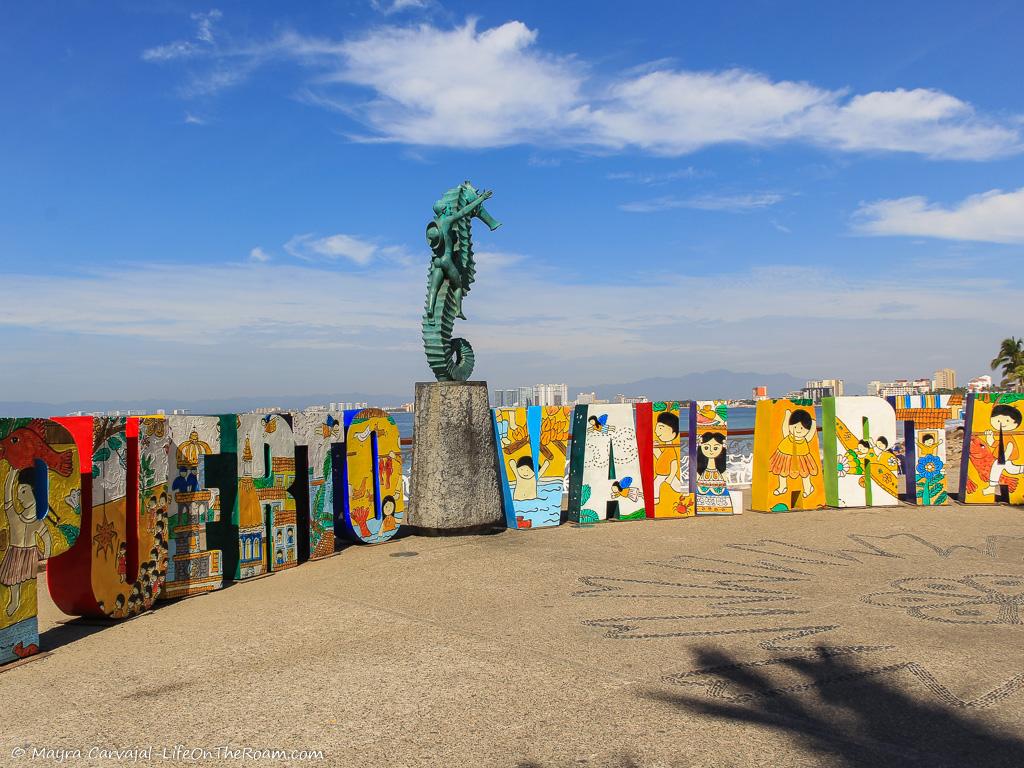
210, 202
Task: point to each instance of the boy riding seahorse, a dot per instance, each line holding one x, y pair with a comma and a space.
442, 236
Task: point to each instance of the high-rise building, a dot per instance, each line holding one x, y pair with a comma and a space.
586, 398
550, 394
945, 378
759, 392
816, 389
524, 397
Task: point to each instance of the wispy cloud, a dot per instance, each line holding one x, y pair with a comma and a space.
191, 119
527, 320
389, 7
331, 248
654, 178
259, 256
992, 217
731, 203
202, 43
519, 93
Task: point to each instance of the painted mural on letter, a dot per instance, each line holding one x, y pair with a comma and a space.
267, 521
42, 498
318, 431
605, 480
667, 492
992, 464
858, 441
787, 457
374, 506
709, 456
196, 556
533, 446
924, 435
117, 569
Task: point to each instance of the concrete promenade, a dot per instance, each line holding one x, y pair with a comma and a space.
829, 638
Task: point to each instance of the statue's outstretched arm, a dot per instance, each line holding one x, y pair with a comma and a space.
467, 210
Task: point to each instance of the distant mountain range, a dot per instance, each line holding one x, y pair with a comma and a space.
704, 385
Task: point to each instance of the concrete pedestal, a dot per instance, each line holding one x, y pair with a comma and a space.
455, 483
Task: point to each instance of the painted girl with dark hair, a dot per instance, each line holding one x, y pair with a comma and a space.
711, 452
794, 458
712, 492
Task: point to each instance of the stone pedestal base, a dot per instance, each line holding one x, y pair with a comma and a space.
455, 483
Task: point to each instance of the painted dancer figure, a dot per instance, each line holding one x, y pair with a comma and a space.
1005, 419
793, 458
24, 522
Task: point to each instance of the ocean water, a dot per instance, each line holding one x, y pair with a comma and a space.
546, 508
739, 418
404, 422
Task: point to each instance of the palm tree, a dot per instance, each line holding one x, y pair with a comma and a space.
1011, 360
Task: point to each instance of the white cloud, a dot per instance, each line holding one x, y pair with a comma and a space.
191, 119
505, 91
993, 217
509, 90
397, 6
653, 178
731, 203
257, 254
204, 23
331, 248
253, 327
202, 43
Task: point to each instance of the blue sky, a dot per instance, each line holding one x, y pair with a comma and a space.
208, 200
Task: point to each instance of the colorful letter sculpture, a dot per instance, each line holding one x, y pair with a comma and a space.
374, 507
709, 431
203, 532
604, 475
320, 435
532, 443
992, 464
267, 521
787, 463
660, 440
117, 569
924, 434
42, 498
858, 438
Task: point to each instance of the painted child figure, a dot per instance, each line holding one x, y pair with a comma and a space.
793, 458
24, 522
526, 478
122, 562
711, 464
666, 454
927, 444
387, 509
1005, 420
